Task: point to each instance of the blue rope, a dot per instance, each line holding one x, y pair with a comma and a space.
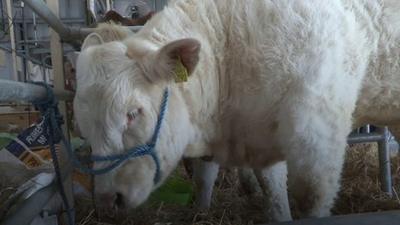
116, 159
50, 112
138, 151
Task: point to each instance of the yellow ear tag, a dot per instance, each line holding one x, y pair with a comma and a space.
181, 73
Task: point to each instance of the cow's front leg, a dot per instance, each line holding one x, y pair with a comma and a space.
273, 181
204, 174
313, 134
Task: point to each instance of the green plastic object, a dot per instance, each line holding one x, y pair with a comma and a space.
175, 190
5, 138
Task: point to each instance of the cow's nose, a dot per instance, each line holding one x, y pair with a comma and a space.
111, 200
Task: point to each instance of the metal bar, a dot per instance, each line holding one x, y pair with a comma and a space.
12, 39
108, 5
362, 138
30, 58
25, 45
384, 163
57, 59
41, 21
384, 154
19, 91
35, 36
34, 41
3, 26
368, 128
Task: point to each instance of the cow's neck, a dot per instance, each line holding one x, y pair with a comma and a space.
201, 93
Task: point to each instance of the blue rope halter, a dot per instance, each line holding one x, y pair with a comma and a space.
138, 151
50, 107
51, 114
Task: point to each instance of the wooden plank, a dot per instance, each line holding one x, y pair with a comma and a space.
19, 120
379, 218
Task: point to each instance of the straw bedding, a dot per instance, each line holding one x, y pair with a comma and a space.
231, 205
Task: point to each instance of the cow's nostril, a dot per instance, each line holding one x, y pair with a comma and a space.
119, 200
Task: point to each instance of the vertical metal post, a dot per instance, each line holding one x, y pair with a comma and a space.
108, 5
12, 39
25, 45
384, 162
367, 129
3, 26
59, 85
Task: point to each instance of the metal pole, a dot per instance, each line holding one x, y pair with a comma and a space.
385, 176
3, 26
19, 91
28, 57
57, 59
25, 44
367, 128
384, 162
362, 138
12, 39
108, 5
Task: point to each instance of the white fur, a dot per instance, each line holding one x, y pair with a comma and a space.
276, 80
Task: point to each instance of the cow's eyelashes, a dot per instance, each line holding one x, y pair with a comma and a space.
133, 114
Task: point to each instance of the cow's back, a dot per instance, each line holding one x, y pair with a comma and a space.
255, 55
270, 49
379, 101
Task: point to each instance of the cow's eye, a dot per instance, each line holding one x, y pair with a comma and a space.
132, 115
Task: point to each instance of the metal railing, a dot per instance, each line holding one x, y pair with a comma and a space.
27, 210
19, 91
382, 138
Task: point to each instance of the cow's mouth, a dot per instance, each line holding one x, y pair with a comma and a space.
111, 206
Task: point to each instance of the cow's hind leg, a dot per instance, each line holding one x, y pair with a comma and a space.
313, 133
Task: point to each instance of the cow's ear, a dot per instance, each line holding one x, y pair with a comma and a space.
177, 60
91, 40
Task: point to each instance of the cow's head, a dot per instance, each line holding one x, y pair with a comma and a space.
119, 92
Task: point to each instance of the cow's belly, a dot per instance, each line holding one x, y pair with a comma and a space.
249, 141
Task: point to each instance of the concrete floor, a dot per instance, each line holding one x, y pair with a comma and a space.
382, 218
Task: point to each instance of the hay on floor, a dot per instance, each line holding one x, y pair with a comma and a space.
360, 192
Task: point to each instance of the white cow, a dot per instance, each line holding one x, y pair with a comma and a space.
269, 81
205, 171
